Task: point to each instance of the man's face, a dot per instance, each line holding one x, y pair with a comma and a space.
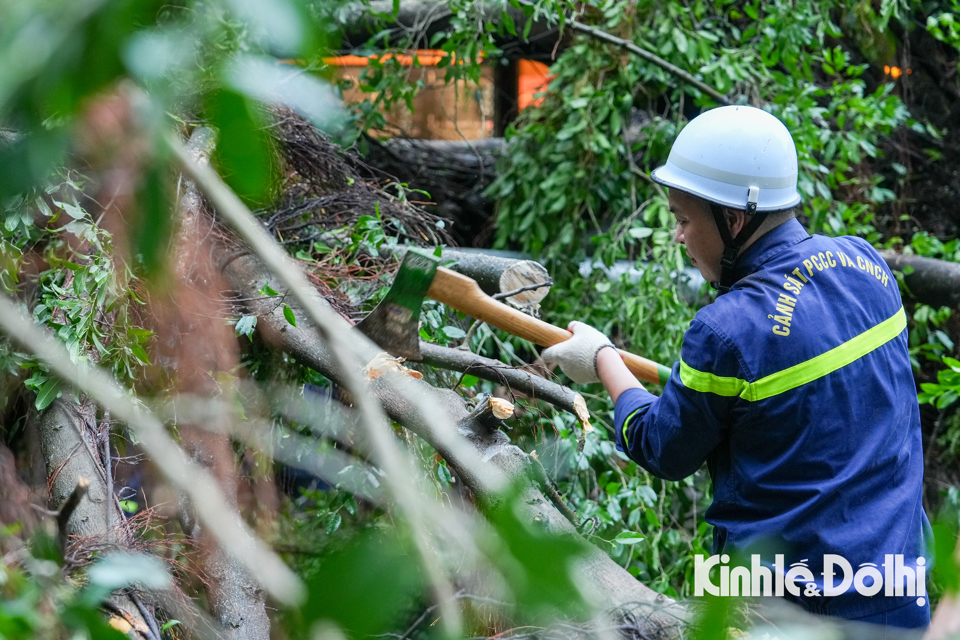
697, 230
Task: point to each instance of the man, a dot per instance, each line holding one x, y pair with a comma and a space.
795, 385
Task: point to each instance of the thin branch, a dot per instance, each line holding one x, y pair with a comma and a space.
495, 371
148, 618
643, 53
529, 287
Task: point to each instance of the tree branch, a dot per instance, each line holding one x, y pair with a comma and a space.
513, 378
933, 282
405, 399
598, 34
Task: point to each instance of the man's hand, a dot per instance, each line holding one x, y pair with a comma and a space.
577, 356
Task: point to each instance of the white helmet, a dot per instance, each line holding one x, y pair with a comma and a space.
724, 152
739, 157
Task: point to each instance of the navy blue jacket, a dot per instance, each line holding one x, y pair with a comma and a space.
796, 389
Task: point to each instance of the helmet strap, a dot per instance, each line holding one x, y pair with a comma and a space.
731, 245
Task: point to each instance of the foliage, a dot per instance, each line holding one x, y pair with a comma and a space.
946, 391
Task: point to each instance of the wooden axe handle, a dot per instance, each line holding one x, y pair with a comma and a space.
463, 294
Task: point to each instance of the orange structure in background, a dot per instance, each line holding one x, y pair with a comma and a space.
533, 77
425, 58
442, 112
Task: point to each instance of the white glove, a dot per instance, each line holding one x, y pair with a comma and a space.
577, 356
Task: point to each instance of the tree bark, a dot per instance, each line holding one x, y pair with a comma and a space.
609, 584
70, 453
933, 282
69, 450
236, 601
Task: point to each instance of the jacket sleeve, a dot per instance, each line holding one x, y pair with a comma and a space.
670, 436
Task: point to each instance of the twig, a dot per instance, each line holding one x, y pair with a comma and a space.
108, 469
147, 617
465, 343
495, 371
529, 287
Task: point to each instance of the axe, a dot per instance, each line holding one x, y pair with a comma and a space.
394, 324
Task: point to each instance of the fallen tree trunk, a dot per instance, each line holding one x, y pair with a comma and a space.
454, 174
932, 282
610, 585
513, 280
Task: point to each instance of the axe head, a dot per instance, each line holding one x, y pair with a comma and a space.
395, 323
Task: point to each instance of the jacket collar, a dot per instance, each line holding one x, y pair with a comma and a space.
767, 246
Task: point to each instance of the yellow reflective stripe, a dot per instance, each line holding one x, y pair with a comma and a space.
799, 374
838, 357
707, 382
626, 423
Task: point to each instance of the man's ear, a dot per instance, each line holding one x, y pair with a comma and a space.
736, 220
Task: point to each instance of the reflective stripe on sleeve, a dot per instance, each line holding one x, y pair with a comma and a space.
626, 423
800, 374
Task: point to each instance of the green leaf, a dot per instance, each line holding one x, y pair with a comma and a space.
651, 517
151, 228
469, 381
371, 569
629, 537
507, 21
49, 392
246, 325
243, 154
169, 624
332, 522
140, 354
680, 40
454, 333
268, 291
288, 314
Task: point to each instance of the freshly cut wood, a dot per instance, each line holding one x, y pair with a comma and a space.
501, 409
384, 363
